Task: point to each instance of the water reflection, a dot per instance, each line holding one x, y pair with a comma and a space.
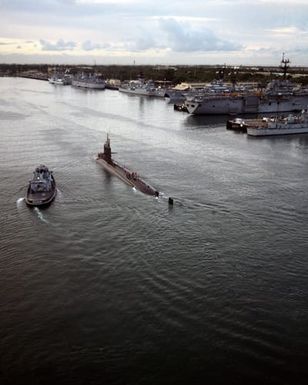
223, 263
301, 139
141, 104
198, 121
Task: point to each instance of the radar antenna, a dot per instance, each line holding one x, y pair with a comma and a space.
284, 65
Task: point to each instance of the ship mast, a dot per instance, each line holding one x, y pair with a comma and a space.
284, 65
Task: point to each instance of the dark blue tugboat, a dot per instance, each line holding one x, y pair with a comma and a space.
42, 188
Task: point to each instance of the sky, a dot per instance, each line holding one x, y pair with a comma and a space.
166, 32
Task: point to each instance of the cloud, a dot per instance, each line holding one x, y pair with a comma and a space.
60, 45
34, 4
89, 46
183, 37
106, 1
175, 35
173, 30
289, 30
145, 40
6, 43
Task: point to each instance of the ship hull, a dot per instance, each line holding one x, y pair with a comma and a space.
59, 82
246, 105
276, 105
216, 106
36, 200
252, 131
137, 91
127, 177
89, 85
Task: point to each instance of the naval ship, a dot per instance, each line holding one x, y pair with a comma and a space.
279, 96
91, 81
138, 87
127, 176
292, 124
58, 79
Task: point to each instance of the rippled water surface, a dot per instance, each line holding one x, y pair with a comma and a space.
109, 286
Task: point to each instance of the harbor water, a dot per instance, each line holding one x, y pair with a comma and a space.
110, 286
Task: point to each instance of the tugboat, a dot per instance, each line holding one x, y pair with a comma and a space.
237, 124
42, 188
127, 176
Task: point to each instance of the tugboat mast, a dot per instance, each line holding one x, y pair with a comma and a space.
284, 66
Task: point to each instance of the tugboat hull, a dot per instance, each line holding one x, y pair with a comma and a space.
42, 188
40, 201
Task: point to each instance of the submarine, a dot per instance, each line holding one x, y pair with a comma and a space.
129, 177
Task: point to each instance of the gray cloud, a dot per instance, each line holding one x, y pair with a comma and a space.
184, 31
60, 45
34, 5
177, 36
88, 45
182, 37
69, 8
144, 41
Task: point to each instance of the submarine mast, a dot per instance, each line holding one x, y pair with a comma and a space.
107, 150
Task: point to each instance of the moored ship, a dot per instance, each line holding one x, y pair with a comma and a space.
55, 80
91, 81
292, 124
113, 84
279, 96
248, 103
138, 87
60, 78
127, 176
42, 188
237, 124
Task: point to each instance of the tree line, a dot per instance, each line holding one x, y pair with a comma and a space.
173, 74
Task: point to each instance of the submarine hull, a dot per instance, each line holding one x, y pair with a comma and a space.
128, 177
